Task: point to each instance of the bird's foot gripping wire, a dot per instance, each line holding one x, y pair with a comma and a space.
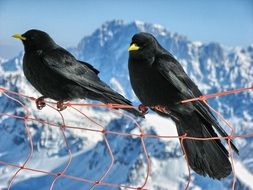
60, 106
164, 110
143, 109
40, 103
160, 108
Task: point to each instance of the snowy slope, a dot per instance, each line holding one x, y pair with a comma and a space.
213, 67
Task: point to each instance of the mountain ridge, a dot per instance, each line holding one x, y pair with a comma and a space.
212, 66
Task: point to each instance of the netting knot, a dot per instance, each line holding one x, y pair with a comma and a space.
59, 174
26, 117
202, 98
104, 131
97, 182
62, 127
183, 136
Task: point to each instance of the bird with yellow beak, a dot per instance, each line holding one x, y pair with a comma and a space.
58, 75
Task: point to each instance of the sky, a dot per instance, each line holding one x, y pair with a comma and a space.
229, 22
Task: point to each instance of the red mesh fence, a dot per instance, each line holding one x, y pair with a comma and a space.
103, 131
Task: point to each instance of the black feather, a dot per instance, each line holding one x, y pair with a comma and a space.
56, 74
158, 78
90, 66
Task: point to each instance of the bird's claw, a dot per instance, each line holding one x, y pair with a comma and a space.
40, 103
60, 106
160, 108
143, 109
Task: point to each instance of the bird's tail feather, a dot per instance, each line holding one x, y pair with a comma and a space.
108, 99
205, 157
109, 96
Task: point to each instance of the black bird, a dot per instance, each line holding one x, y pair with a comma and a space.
56, 74
160, 82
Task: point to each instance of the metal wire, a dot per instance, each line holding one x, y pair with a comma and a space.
103, 131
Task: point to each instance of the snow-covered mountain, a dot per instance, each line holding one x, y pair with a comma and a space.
213, 67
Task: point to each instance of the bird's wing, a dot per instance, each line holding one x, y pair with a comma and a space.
174, 73
90, 66
62, 62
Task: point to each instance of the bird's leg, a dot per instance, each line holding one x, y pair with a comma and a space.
160, 109
60, 105
143, 109
164, 109
40, 103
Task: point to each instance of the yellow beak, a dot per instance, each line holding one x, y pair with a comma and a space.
19, 36
133, 47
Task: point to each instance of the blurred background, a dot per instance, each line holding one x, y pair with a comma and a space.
212, 39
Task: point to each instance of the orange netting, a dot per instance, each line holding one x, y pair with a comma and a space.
103, 131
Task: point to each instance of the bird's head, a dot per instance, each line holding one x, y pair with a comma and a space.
143, 46
35, 40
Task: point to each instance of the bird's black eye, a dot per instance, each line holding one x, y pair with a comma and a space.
144, 45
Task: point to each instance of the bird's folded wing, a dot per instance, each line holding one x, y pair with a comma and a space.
90, 66
64, 64
174, 73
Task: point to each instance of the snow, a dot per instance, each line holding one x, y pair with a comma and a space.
161, 125
243, 174
138, 22
117, 86
165, 178
212, 66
